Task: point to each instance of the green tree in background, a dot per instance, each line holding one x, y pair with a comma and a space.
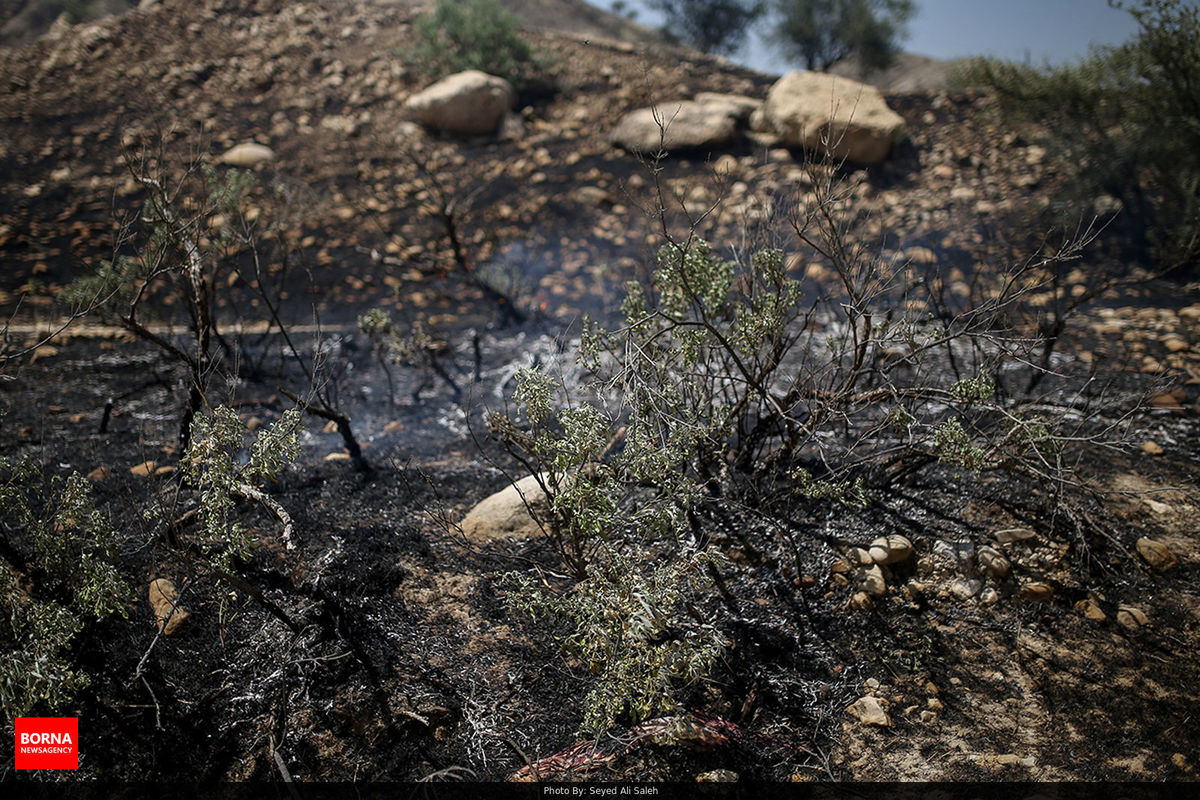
1122, 122
476, 34
713, 26
819, 33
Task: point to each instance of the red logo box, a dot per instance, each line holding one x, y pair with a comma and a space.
47, 743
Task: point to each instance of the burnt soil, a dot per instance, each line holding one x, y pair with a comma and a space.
380, 648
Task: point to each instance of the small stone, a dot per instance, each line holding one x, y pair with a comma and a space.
163, 597
510, 513
1010, 535
868, 711
873, 582
872, 683
932, 689
717, 776
338, 457
1168, 401
1090, 610
1176, 344
593, 196
1131, 617
247, 154
989, 596
862, 601
890, 549
934, 704
943, 172
928, 717
144, 469
99, 474
861, 557
992, 563
960, 552
164, 471
1180, 761
1152, 448
1156, 554
253, 424
1161, 509
1037, 591
965, 589
841, 567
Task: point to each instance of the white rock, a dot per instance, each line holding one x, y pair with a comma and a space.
890, 549
684, 125
868, 711
965, 589
247, 154
505, 514
814, 110
743, 106
470, 103
1009, 535
873, 582
992, 563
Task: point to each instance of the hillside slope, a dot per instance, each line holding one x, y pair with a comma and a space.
408, 664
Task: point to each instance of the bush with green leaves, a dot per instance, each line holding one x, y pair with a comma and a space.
476, 34
1123, 122
206, 241
214, 467
727, 384
632, 629
58, 573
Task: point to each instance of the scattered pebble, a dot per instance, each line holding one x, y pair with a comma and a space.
890, 549
965, 589
1009, 535
868, 711
1152, 448
1131, 617
1037, 591
873, 582
992, 563
1090, 610
99, 474
144, 469
163, 596
247, 154
717, 776
1156, 554
860, 556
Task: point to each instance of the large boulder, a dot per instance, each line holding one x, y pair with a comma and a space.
807, 109
470, 103
505, 514
682, 125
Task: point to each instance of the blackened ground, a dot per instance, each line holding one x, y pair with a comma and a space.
398, 658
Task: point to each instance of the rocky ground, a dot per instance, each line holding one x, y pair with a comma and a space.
1002, 648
